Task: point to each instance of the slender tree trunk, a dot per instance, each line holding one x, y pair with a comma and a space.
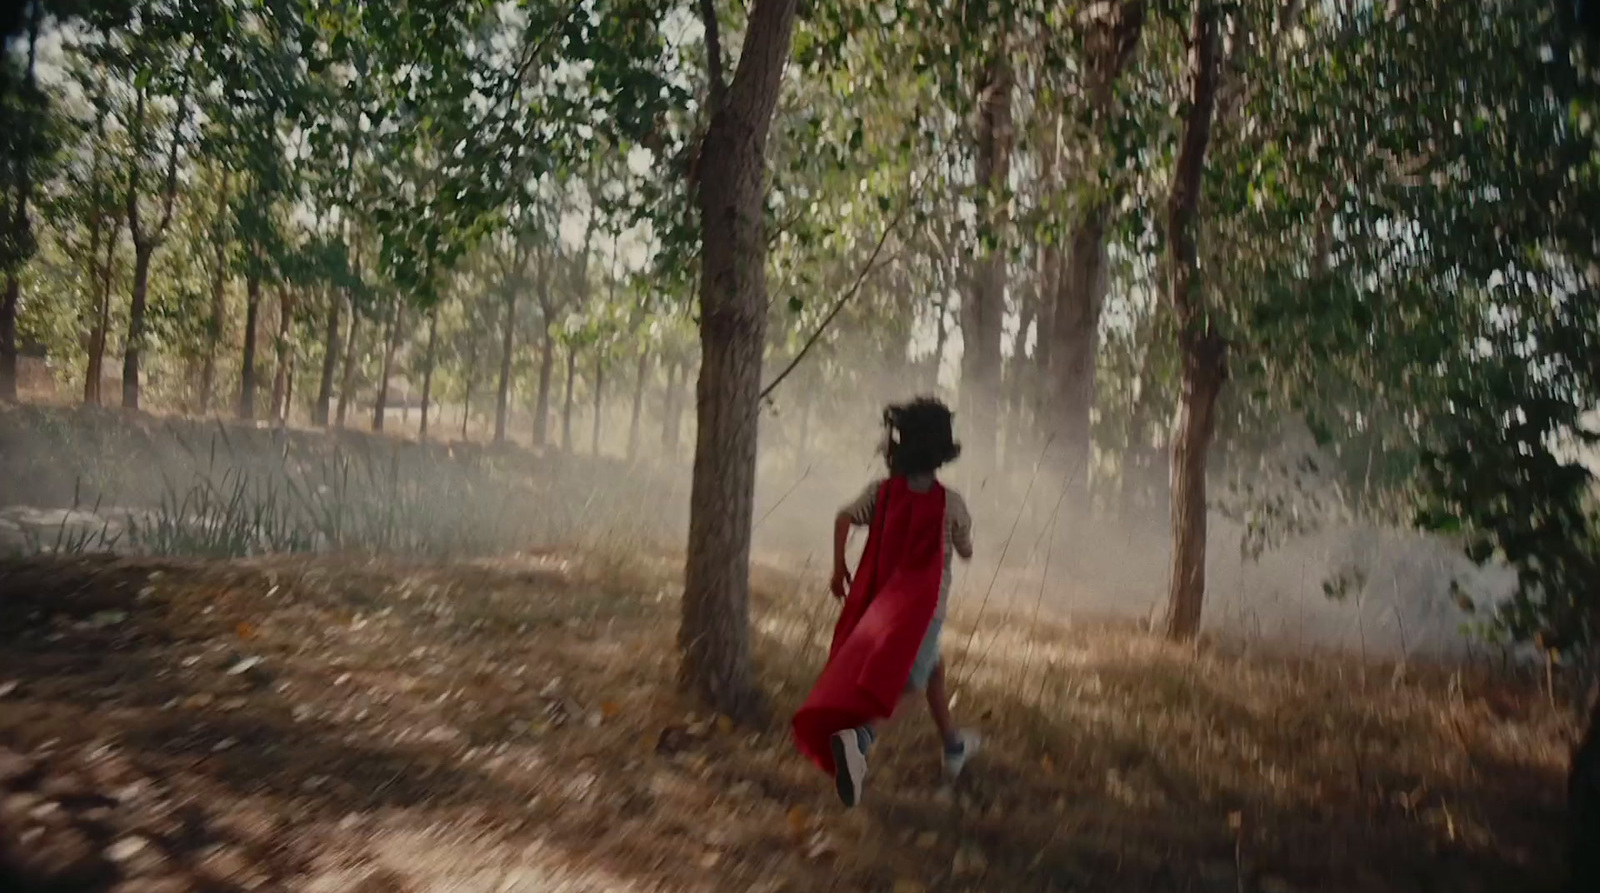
283, 350
396, 324
136, 310
502, 400
566, 409
288, 389
322, 412
1204, 352
669, 397
19, 223
427, 371
599, 399
219, 310
247, 369
347, 378
638, 403
984, 309
714, 636
94, 375
472, 380
541, 400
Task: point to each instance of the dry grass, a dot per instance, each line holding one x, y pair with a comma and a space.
511, 725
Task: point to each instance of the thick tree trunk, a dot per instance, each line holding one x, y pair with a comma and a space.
427, 372
714, 636
638, 404
1583, 806
283, 347
322, 412
984, 308
94, 374
347, 377
566, 408
1076, 345
599, 399
142, 252
541, 400
18, 203
502, 400
1203, 349
396, 324
247, 369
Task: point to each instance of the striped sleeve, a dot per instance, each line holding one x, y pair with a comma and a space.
860, 510
958, 523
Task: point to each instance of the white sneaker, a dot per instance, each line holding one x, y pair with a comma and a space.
955, 761
849, 765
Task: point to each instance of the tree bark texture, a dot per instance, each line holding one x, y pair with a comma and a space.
283, 349
984, 308
714, 635
94, 374
1204, 353
219, 282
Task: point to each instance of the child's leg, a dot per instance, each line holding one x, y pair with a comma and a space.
939, 707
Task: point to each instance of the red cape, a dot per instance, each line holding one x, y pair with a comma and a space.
885, 617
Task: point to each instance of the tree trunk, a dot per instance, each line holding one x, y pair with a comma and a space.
322, 412
502, 400
219, 310
130, 354
984, 308
541, 401
247, 370
94, 374
714, 636
347, 377
566, 409
1076, 343
1583, 806
638, 403
472, 380
1204, 352
19, 220
941, 339
381, 404
283, 349
427, 371
599, 399
288, 389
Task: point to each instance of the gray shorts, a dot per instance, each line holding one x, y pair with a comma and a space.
927, 657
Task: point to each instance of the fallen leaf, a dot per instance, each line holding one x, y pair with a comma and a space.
244, 666
725, 725
245, 630
927, 840
906, 885
197, 701
799, 820
610, 709
969, 861
710, 860
8, 687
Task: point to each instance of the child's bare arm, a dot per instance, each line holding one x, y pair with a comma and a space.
840, 583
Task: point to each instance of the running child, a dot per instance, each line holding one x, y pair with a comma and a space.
886, 642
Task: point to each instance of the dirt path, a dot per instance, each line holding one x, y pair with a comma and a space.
340, 724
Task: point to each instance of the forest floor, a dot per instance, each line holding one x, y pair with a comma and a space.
337, 724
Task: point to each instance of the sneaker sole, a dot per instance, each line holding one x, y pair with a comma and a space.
843, 779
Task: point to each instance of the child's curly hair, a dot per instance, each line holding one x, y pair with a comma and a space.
918, 436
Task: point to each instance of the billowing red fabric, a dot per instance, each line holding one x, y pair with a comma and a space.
885, 617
